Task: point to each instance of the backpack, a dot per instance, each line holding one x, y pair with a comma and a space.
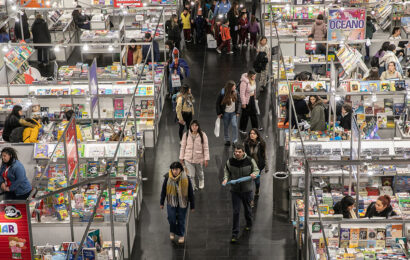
16, 136
260, 62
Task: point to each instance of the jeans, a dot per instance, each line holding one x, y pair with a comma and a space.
187, 118
176, 219
237, 198
249, 111
230, 119
226, 44
195, 169
199, 27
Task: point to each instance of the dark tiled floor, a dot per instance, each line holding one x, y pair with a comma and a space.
209, 227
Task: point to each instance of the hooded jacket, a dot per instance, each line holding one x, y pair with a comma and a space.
244, 89
174, 32
346, 121
193, 150
13, 122
220, 109
317, 117
235, 169
301, 109
319, 30
17, 179
371, 211
26, 30
178, 64
30, 134
40, 32
222, 8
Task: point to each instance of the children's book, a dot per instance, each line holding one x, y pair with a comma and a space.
398, 109
400, 85
283, 88
308, 86
374, 86
319, 86
385, 86
363, 234
364, 86
397, 231
388, 106
296, 85
382, 120
344, 234
93, 168
130, 168
344, 86
354, 86
41, 151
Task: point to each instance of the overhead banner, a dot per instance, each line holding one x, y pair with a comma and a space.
127, 3
347, 24
14, 232
71, 148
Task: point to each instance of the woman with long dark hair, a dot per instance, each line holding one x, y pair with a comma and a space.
13, 179
255, 147
13, 121
184, 109
233, 18
173, 29
345, 207
194, 153
133, 54
227, 108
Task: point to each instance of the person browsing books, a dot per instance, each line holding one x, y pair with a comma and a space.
13, 179
380, 208
345, 207
13, 121
346, 120
64, 123
317, 114
391, 73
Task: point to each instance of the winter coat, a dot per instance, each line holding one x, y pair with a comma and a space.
259, 157
346, 121
319, 30
12, 122
260, 62
26, 30
174, 32
244, 23
254, 27
371, 211
79, 19
191, 196
235, 169
195, 10
220, 109
146, 48
301, 109
30, 134
370, 29
225, 33
136, 55
193, 150
184, 104
40, 32
186, 21
317, 117
222, 8
244, 87
233, 19
17, 179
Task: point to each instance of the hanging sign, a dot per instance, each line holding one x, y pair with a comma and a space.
346, 24
127, 3
93, 83
71, 148
14, 232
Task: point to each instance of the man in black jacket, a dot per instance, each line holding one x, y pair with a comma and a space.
237, 167
146, 48
25, 35
41, 34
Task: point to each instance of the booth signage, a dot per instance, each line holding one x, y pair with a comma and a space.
14, 232
127, 3
71, 146
93, 83
347, 24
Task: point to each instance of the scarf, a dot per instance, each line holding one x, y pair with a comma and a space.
177, 190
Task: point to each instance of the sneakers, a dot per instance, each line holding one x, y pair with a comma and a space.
218, 50
231, 52
227, 143
242, 132
201, 184
172, 236
181, 240
260, 129
234, 239
252, 204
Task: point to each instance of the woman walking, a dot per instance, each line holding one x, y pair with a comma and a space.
227, 108
263, 47
255, 147
184, 109
248, 101
173, 29
177, 189
233, 18
194, 153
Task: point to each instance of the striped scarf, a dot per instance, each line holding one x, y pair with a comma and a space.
177, 190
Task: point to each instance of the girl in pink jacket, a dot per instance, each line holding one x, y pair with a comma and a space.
247, 93
194, 153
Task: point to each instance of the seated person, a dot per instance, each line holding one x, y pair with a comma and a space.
64, 123
345, 207
380, 208
391, 73
81, 21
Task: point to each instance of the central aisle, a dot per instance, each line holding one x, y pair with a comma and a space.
209, 227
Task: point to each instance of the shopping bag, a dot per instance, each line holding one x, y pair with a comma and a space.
217, 127
176, 81
258, 111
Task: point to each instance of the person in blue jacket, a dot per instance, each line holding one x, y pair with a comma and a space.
222, 8
178, 66
4, 36
13, 179
146, 49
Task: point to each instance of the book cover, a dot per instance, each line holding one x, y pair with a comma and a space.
41, 151
385, 86
364, 86
381, 234
380, 243
371, 234
296, 85
400, 85
93, 168
354, 233
344, 86
344, 243
368, 110
283, 88
362, 244
397, 231
333, 242
388, 105
354, 86
371, 243
308, 86
382, 120
113, 169
319, 86
344, 234
119, 103
353, 243
363, 234
398, 109
374, 86
130, 168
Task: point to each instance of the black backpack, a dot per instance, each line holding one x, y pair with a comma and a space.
260, 62
16, 136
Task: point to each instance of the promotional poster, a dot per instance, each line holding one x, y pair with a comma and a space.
347, 24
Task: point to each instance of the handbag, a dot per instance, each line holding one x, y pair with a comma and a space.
217, 128
175, 81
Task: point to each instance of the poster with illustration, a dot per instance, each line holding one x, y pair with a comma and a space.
14, 232
346, 24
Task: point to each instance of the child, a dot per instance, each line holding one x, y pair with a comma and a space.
186, 24
216, 31
226, 37
254, 30
244, 24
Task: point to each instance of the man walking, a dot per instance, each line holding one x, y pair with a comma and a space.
238, 167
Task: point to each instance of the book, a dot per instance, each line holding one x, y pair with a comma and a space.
371, 243
374, 86
382, 120
362, 244
388, 106
307, 86
130, 168
93, 168
371, 234
364, 86
344, 243
319, 86
354, 86
400, 85
344, 234
283, 88
363, 234
385, 85
381, 234
397, 231
344, 86
354, 237
398, 108
333, 242
296, 85
41, 151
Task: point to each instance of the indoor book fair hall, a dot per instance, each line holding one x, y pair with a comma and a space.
205, 129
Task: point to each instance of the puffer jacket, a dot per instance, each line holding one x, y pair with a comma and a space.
317, 118
16, 178
319, 30
193, 150
235, 169
30, 134
244, 89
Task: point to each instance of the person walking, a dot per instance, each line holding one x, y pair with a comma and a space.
173, 29
177, 189
186, 24
13, 179
225, 37
184, 109
41, 34
178, 67
233, 18
264, 47
255, 147
194, 153
239, 166
247, 93
13, 121
254, 30
227, 108
370, 30
244, 30
198, 18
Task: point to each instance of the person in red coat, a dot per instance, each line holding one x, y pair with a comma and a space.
225, 37
243, 33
